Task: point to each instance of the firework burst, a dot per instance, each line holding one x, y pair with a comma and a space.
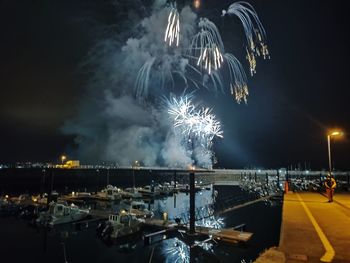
200, 57
207, 46
254, 32
190, 121
195, 126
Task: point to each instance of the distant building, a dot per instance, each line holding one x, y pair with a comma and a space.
69, 164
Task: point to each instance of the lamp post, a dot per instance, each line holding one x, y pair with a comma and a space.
135, 164
329, 135
63, 158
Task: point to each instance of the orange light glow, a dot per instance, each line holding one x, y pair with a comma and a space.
335, 133
196, 4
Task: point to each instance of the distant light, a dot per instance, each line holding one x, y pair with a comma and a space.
259, 171
196, 4
165, 216
6, 196
307, 171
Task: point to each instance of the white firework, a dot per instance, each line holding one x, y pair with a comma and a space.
195, 128
238, 78
253, 29
199, 60
200, 123
172, 32
207, 47
181, 109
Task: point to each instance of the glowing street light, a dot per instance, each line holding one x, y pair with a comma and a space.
196, 4
63, 158
329, 135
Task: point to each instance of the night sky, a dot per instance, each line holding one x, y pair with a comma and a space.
294, 97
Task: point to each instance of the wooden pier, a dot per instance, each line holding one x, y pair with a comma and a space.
228, 235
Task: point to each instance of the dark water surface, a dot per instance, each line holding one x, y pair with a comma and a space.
21, 243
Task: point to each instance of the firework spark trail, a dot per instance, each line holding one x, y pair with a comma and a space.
254, 31
200, 56
239, 88
142, 79
207, 46
160, 66
172, 31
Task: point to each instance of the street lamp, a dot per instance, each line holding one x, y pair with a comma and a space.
134, 164
329, 135
63, 158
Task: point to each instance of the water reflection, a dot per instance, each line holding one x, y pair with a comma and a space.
212, 222
176, 251
178, 205
207, 246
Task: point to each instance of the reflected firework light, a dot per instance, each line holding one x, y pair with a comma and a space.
176, 251
212, 222
207, 246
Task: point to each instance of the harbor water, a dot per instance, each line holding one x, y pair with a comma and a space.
69, 243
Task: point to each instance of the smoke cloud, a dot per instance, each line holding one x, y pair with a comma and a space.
113, 125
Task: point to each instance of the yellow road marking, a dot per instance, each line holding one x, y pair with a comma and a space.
330, 253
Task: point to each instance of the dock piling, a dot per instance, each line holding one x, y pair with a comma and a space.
192, 203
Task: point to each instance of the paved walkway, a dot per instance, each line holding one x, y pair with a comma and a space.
314, 230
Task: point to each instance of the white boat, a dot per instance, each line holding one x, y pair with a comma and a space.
166, 189
138, 208
131, 193
111, 193
120, 225
61, 214
4, 201
148, 190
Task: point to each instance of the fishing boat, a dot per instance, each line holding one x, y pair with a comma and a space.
119, 225
60, 214
149, 191
138, 208
131, 193
110, 193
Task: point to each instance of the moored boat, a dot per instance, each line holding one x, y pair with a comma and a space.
60, 214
